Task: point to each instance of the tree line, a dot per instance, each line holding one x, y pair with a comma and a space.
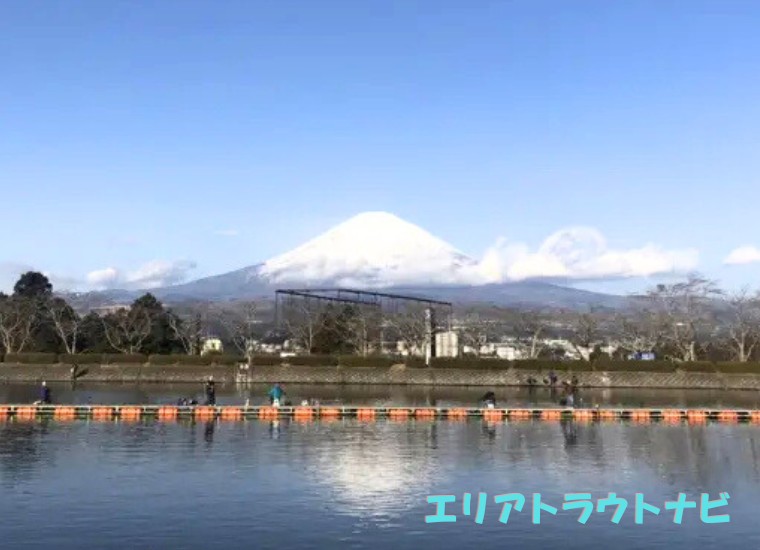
689, 320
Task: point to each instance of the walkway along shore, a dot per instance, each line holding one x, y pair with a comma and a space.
134, 373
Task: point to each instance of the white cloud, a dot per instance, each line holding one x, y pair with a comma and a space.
580, 253
227, 232
743, 255
157, 273
103, 278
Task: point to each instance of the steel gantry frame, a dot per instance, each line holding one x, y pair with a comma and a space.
366, 298
352, 296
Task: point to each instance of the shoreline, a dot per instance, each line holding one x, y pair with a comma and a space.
396, 375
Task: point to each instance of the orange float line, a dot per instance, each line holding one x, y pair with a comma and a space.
269, 413
641, 416
26, 413
130, 414
231, 413
5, 412
551, 415
607, 415
205, 413
583, 415
329, 413
399, 414
520, 414
425, 414
168, 414
65, 413
754, 417
102, 413
366, 414
696, 417
303, 412
728, 417
457, 414
493, 415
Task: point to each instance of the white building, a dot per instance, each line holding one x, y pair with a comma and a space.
211, 345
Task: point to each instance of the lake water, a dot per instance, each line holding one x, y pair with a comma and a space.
347, 484
229, 394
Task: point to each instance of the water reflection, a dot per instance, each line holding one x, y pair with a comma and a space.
287, 483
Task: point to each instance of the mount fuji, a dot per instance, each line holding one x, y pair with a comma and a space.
374, 251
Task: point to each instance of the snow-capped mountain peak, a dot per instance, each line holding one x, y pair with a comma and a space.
372, 249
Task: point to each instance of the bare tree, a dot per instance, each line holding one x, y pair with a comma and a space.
584, 334
241, 325
683, 311
744, 325
639, 331
411, 328
361, 328
302, 322
17, 320
66, 322
530, 327
187, 330
126, 330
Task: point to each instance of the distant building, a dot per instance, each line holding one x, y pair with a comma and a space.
447, 344
211, 345
102, 311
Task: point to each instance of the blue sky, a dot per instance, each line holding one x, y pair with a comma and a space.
140, 136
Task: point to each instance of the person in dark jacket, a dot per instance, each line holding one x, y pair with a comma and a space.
210, 392
489, 400
45, 398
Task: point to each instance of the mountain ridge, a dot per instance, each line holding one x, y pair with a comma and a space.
374, 251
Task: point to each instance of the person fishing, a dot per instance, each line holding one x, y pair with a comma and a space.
489, 400
210, 391
276, 394
45, 398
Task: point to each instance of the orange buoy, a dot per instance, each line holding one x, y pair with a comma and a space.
5, 412
205, 413
696, 417
365, 414
231, 413
424, 414
519, 414
607, 415
641, 415
493, 415
303, 414
730, 417
130, 414
167, 413
329, 413
102, 413
399, 414
65, 413
583, 415
269, 413
457, 414
754, 417
671, 416
26, 413
551, 415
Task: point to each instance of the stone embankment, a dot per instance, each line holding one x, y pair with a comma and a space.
396, 375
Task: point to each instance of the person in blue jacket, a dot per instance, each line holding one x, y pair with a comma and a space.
275, 394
